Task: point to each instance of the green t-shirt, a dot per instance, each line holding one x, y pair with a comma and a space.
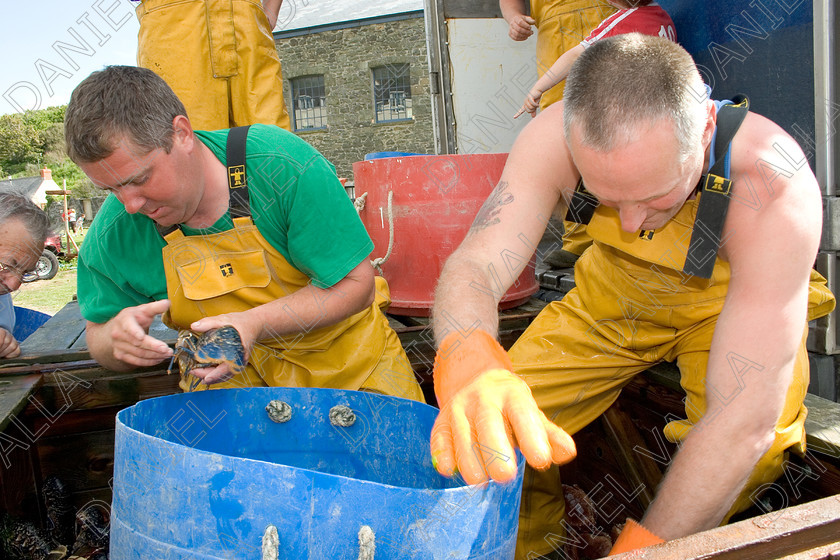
297, 204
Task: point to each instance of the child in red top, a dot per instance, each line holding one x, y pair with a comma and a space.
643, 16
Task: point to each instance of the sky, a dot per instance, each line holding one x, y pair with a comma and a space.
87, 36
48, 47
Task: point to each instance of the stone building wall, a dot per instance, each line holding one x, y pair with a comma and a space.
346, 57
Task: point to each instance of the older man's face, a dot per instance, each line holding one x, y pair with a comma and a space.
18, 254
644, 180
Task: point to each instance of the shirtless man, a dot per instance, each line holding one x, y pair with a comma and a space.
637, 129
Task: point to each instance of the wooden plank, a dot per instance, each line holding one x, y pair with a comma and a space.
58, 333
149, 386
394, 322
409, 321
46, 358
160, 331
827, 552
14, 395
101, 388
822, 426
82, 461
767, 537
75, 422
66, 331
42, 367
18, 488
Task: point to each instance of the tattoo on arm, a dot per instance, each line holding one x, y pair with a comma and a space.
488, 215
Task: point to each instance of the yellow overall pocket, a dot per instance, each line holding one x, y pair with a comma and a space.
216, 275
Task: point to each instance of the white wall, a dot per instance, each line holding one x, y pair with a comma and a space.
491, 74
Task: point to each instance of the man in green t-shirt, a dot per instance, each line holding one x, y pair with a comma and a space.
248, 227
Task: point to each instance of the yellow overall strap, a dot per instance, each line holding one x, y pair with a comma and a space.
716, 189
582, 205
240, 205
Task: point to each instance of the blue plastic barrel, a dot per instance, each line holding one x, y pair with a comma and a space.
27, 321
203, 475
380, 155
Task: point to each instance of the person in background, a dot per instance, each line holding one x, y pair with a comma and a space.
80, 223
69, 218
219, 57
680, 270
23, 229
644, 16
562, 25
248, 227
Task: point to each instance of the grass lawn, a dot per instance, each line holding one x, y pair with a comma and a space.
49, 296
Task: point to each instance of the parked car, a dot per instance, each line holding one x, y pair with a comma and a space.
47, 266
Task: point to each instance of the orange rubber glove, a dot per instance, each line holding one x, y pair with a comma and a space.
633, 536
460, 359
486, 412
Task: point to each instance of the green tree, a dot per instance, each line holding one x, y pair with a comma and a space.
52, 140
19, 142
31, 140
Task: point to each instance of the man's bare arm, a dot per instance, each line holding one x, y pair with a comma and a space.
770, 251
506, 231
271, 9
482, 401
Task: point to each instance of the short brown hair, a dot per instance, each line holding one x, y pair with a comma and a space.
116, 101
622, 82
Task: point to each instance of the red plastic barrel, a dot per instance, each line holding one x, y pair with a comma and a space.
434, 202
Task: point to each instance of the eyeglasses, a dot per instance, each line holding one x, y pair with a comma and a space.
23, 276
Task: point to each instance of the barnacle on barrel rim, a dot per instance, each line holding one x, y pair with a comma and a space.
209, 349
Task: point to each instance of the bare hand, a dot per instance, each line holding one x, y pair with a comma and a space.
531, 104
520, 27
9, 347
129, 339
479, 428
211, 375
247, 332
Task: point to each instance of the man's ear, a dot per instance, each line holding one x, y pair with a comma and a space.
182, 132
711, 122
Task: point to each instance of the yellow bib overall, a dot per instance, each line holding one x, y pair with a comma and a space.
561, 25
218, 56
633, 306
236, 270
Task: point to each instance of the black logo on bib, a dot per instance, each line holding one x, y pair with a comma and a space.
236, 176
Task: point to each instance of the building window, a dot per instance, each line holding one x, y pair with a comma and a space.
310, 103
392, 93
